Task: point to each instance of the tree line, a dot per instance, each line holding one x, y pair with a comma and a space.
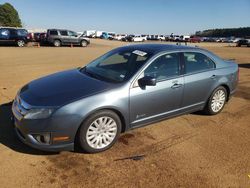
227, 32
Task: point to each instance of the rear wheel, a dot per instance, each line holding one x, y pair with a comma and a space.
20, 43
216, 101
57, 43
99, 132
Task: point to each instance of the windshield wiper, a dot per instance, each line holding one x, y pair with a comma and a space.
91, 74
96, 76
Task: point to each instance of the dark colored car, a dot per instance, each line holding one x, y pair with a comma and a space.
13, 36
209, 39
38, 36
30, 37
126, 88
153, 37
59, 37
43, 37
128, 38
243, 42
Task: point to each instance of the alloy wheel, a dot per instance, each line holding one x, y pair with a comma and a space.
101, 132
218, 100
20, 43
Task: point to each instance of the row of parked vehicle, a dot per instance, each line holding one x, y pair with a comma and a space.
182, 38
55, 37
142, 38
178, 38
172, 37
60, 37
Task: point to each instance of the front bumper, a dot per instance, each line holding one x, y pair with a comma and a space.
30, 141
56, 127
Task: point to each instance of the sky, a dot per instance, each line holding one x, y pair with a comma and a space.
134, 16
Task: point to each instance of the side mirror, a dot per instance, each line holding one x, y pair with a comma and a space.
147, 81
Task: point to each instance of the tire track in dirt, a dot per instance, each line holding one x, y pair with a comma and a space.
72, 166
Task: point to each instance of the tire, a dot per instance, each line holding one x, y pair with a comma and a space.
20, 43
216, 101
84, 43
92, 134
57, 43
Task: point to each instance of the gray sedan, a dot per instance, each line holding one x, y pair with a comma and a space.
126, 88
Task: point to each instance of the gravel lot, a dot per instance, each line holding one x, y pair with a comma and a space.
192, 150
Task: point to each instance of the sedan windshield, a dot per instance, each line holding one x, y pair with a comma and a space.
117, 65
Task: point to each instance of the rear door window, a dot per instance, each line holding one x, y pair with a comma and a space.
53, 32
196, 62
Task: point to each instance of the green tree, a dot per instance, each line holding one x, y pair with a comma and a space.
9, 16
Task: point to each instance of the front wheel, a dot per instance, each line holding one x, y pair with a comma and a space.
99, 132
216, 101
84, 43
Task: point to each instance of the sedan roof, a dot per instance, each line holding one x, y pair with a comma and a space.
156, 48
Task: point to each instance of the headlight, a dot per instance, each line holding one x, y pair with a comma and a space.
38, 113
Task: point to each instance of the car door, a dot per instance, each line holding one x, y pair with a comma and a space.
150, 103
74, 39
199, 79
65, 38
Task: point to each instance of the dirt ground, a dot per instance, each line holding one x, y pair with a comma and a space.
192, 150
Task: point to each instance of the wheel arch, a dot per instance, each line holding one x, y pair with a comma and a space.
119, 113
227, 89
220, 85
57, 39
84, 40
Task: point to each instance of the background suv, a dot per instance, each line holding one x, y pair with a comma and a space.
13, 36
243, 42
59, 37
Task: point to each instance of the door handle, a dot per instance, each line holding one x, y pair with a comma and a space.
213, 77
176, 86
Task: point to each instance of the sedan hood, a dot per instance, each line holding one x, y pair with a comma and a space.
61, 88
